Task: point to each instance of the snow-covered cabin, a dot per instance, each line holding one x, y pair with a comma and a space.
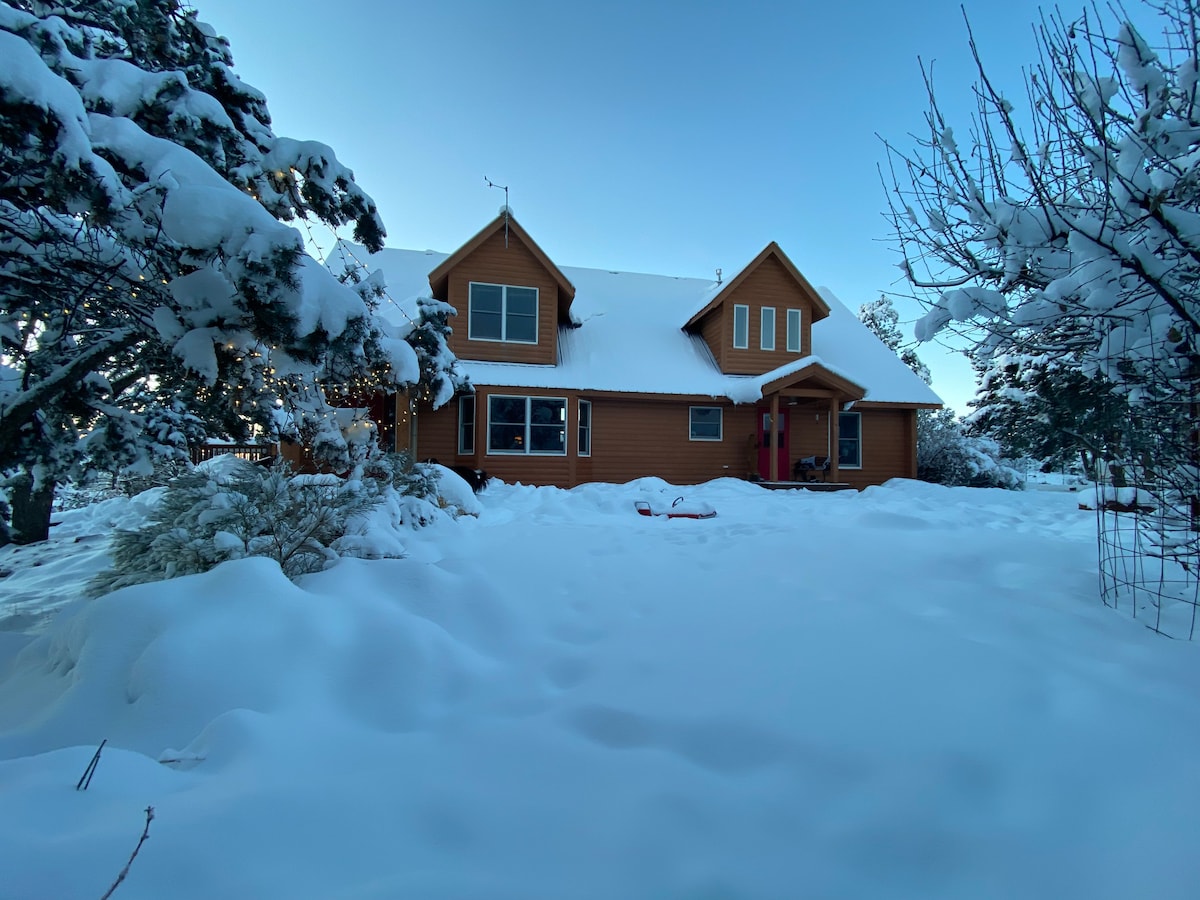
590, 375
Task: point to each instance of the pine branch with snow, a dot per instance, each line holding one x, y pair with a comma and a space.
151, 291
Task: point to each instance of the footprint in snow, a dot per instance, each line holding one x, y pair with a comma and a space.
568, 671
723, 745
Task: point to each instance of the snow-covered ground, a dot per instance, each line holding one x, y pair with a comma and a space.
909, 692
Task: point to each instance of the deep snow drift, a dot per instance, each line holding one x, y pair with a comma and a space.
909, 692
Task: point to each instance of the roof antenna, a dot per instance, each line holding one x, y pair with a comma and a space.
504, 188
718, 276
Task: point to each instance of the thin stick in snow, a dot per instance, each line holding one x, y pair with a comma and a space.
133, 855
86, 778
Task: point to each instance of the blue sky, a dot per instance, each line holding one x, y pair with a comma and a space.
672, 138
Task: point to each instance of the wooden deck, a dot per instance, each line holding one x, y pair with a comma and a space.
805, 485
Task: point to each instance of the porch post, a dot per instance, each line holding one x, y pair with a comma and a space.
834, 436
403, 422
773, 437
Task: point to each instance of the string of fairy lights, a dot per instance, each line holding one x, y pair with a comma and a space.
358, 387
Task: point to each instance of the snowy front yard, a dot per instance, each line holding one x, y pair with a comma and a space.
909, 692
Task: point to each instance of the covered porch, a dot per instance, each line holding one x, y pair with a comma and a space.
799, 440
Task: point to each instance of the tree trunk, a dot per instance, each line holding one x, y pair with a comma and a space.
30, 509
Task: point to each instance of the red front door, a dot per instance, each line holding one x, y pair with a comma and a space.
773, 439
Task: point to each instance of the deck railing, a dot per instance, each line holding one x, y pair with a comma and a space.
249, 452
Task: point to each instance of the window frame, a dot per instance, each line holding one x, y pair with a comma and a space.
858, 439
583, 430
745, 310
463, 449
798, 345
763, 330
527, 438
720, 424
504, 288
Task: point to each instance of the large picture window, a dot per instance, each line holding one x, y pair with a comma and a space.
704, 423
850, 440
466, 426
741, 326
527, 425
501, 312
585, 427
793, 331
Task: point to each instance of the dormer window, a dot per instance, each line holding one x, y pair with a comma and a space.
501, 312
793, 331
741, 326
766, 339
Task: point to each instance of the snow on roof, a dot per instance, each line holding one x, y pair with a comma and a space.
630, 338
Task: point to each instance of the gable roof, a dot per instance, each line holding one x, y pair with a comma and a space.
629, 339
809, 371
820, 307
504, 220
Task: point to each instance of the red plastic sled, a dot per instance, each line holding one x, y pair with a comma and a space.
677, 510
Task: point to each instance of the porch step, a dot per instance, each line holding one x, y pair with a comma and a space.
805, 485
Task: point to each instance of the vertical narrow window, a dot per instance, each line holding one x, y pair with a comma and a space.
793, 331
585, 427
520, 315
466, 426
741, 326
766, 337
547, 425
850, 440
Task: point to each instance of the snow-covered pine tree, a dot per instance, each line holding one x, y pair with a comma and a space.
883, 321
150, 292
1043, 407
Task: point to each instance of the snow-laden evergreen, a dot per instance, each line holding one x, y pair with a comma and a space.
151, 290
1043, 407
232, 509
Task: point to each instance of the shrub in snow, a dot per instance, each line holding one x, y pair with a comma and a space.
947, 455
231, 509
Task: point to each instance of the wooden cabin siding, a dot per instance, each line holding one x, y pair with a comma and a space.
494, 263
633, 437
718, 334
889, 442
808, 432
768, 285
437, 435
888, 447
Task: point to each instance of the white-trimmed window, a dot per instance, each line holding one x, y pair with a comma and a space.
466, 425
585, 427
849, 440
704, 423
502, 312
536, 426
793, 331
741, 326
766, 335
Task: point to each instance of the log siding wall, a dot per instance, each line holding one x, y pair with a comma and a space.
494, 263
634, 437
768, 285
